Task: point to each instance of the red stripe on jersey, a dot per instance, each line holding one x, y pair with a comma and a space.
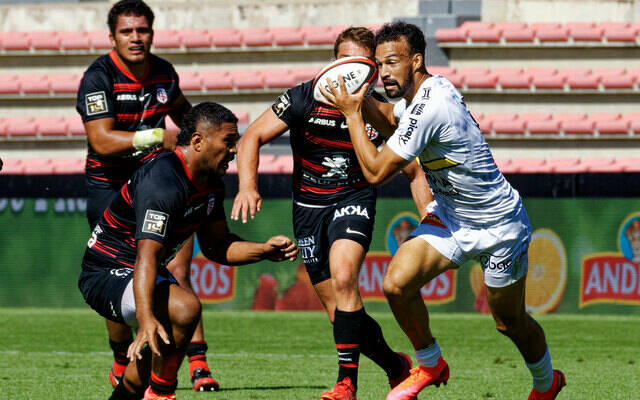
98, 247
152, 154
126, 87
308, 164
326, 111
103, 179
116, 61
125, 263
312, 189
145, 114
125, 194
327, 142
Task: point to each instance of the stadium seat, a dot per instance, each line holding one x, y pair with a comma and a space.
444, 35
513, 79
12, 166
226, 37
629, 164
284, 164
540, 123
74, 41
508, 124
166, 39
68, 166
550, 32
484, 34
280, 78
216, 80
566, 165
52, 126
13, 41
267, 165
547, 81
190, 81
601, 164
195, 38
575, 124
245, 79
257, 37
64, 83
529, 165
305, 74
75, 125
473, 79
34, 84
634, 121
516, 32
44, 40
317, 35
38, 166
287, 36
21, 126
505, 166
620, 34
582, 81
170, 125
243, 117
9, 84
585, 33
99, 40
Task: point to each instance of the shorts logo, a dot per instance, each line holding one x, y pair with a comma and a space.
406, 135
162, 96
155, 222
96, 103
121, 272
495, 263
418, 109
307, 246
351, 210
282, 103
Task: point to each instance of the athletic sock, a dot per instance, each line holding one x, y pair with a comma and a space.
163, 385
120, 360
122, 393
196, 351
373, 346
542, 372
347, 327
429, 356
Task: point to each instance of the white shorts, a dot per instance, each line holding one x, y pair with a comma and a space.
128, 306
500, 248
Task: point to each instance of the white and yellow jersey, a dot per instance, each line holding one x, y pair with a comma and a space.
438, 129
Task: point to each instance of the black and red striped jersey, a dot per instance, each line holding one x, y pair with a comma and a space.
161, 202
325, 167
107, 90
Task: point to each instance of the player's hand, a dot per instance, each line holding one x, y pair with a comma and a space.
340, 98
246, 202
148, 331
280, 248
169, 140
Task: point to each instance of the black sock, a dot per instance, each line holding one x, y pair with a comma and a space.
347, 327
197, 349
122, 393
373, 345
162, 386
120, 351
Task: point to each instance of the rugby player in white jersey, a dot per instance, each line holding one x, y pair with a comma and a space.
476, 214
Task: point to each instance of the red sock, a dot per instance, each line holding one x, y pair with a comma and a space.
118, 368
162, 385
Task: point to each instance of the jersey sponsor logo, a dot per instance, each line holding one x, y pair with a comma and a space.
351, 210
155, 222
418, 109
282, 103
349, 230
406, 135
371, 132
127, 97
337, 165
96, 103
307, 246
322, 121
162, 96
426, 93
344, 125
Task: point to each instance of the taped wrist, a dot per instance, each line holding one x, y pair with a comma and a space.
147, 138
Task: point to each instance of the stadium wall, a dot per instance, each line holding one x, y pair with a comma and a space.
560, 10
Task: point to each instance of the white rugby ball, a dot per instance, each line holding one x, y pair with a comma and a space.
356, 71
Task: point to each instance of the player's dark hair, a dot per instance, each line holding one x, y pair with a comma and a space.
129, 7
357, 34
208, 112
397, 30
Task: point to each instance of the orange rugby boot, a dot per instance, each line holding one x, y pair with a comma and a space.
558, 383
405, 373
343, 390
149, 394
420, 378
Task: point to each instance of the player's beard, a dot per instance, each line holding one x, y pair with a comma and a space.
402, 89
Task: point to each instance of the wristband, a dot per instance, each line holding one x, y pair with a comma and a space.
147, 138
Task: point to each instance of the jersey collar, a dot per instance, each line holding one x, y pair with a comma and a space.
187, 172
116, 61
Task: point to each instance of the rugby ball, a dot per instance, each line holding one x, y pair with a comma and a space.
356, 71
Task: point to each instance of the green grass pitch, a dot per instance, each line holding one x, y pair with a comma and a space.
63, 354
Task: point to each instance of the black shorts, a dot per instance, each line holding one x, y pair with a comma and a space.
102, 288
98, 199
317, 227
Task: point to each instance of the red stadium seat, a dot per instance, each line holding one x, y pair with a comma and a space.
565, 165
601, 164
170, 125
582, 81
441, 70
166, 39
610, 123
620, 34
614, 24
550, 32
509, 126
74, 41
481, 34
451, 35
576, 126
44, 40
479, 80
280, 78
52, 126
68, 166
195, 38
586, 33
518, 35
247, 79
543, 126
547, 81
12, 166
13, 41
487, 123
3, 128
287, 36
34, 84
476, 25
21, 126
190, 81
257, 37
216, 80
99, 40
508, 25
305, 74
617, 81
243, 117
318, 34
226, 37
505, 166
540, 71
267, 165
9, 84
514, 80
284, 164
530, 165
64, 83
629, 164
38, 166
76, 127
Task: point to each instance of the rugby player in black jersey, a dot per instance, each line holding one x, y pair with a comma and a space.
123, 99
333, 213
124, 275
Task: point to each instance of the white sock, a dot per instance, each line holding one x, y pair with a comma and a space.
542, 372
429, 356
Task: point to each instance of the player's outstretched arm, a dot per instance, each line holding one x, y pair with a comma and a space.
144, 282
420, 190
263, 130
220, 245
107, 141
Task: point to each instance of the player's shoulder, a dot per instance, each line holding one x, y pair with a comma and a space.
100, 66
302, 92
159, 64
